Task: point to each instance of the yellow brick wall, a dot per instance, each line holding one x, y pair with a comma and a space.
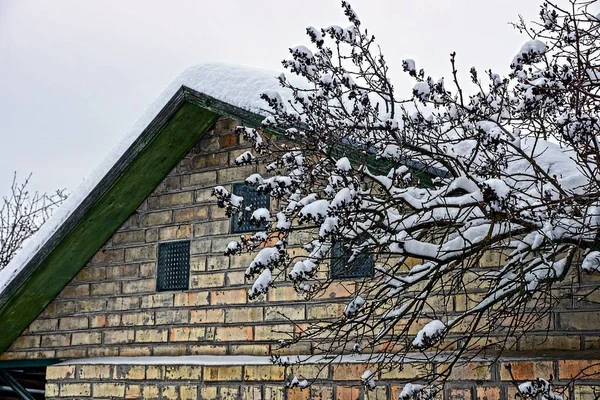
111, 308
336, 381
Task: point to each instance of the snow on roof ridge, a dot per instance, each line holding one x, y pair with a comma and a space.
238, 86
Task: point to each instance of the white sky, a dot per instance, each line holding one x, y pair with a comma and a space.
75, 75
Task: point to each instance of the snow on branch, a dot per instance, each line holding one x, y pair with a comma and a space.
477, 202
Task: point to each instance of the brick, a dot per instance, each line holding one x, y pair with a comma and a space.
26, 342
105, 288
324, 311
234, 333
544, 342
579, 321
150, 392
348, 372
151, 335
326, 393
97, 321
210, 160
56, 340
202, 281
458, 394
152, 235
108, 389
128, 237
133, 391
275, 392
139, 286
175, 199
227, 141
579, 369
207, 316
200, 246
246, 314
158, 300
264, 373
140, 253
103, 351
526, 370
108, 256
86, 306
235, 278
57, 308
123, 271
119, 336
300, 394
199, 179
233, 296
43, 325
207, 349
211, 228
230, 393
169, 392
72, 323
197, 264
71, 352
407, 371
93, 274
75, 389
187, 334
282, 293
86, 338
75, 291
183, 372
284, 313
137, 319
130, 372
209, 392
347, 392
170, 350
249, 349
168, 317
157, 218
488, 393
222, 373
215, 263
191, 299
155, 372
51, 390
175, 232
188, 392
123, 303
58, 372
235, 174
471, 371
273, 332
147, 270
94, 372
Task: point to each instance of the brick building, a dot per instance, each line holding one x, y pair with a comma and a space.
131, 296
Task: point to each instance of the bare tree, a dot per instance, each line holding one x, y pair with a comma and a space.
478, 206
22, 213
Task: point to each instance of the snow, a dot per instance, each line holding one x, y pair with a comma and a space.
431, 332
236, 85
410, 390
591, 262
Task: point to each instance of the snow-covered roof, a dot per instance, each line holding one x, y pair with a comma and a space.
235, 85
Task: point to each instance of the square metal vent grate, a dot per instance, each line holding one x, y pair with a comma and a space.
341, 267
252, 199
173, 271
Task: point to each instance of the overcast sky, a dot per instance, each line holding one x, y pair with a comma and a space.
76, 75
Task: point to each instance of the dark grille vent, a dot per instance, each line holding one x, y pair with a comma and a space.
341, 267
173, 272
252, 199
